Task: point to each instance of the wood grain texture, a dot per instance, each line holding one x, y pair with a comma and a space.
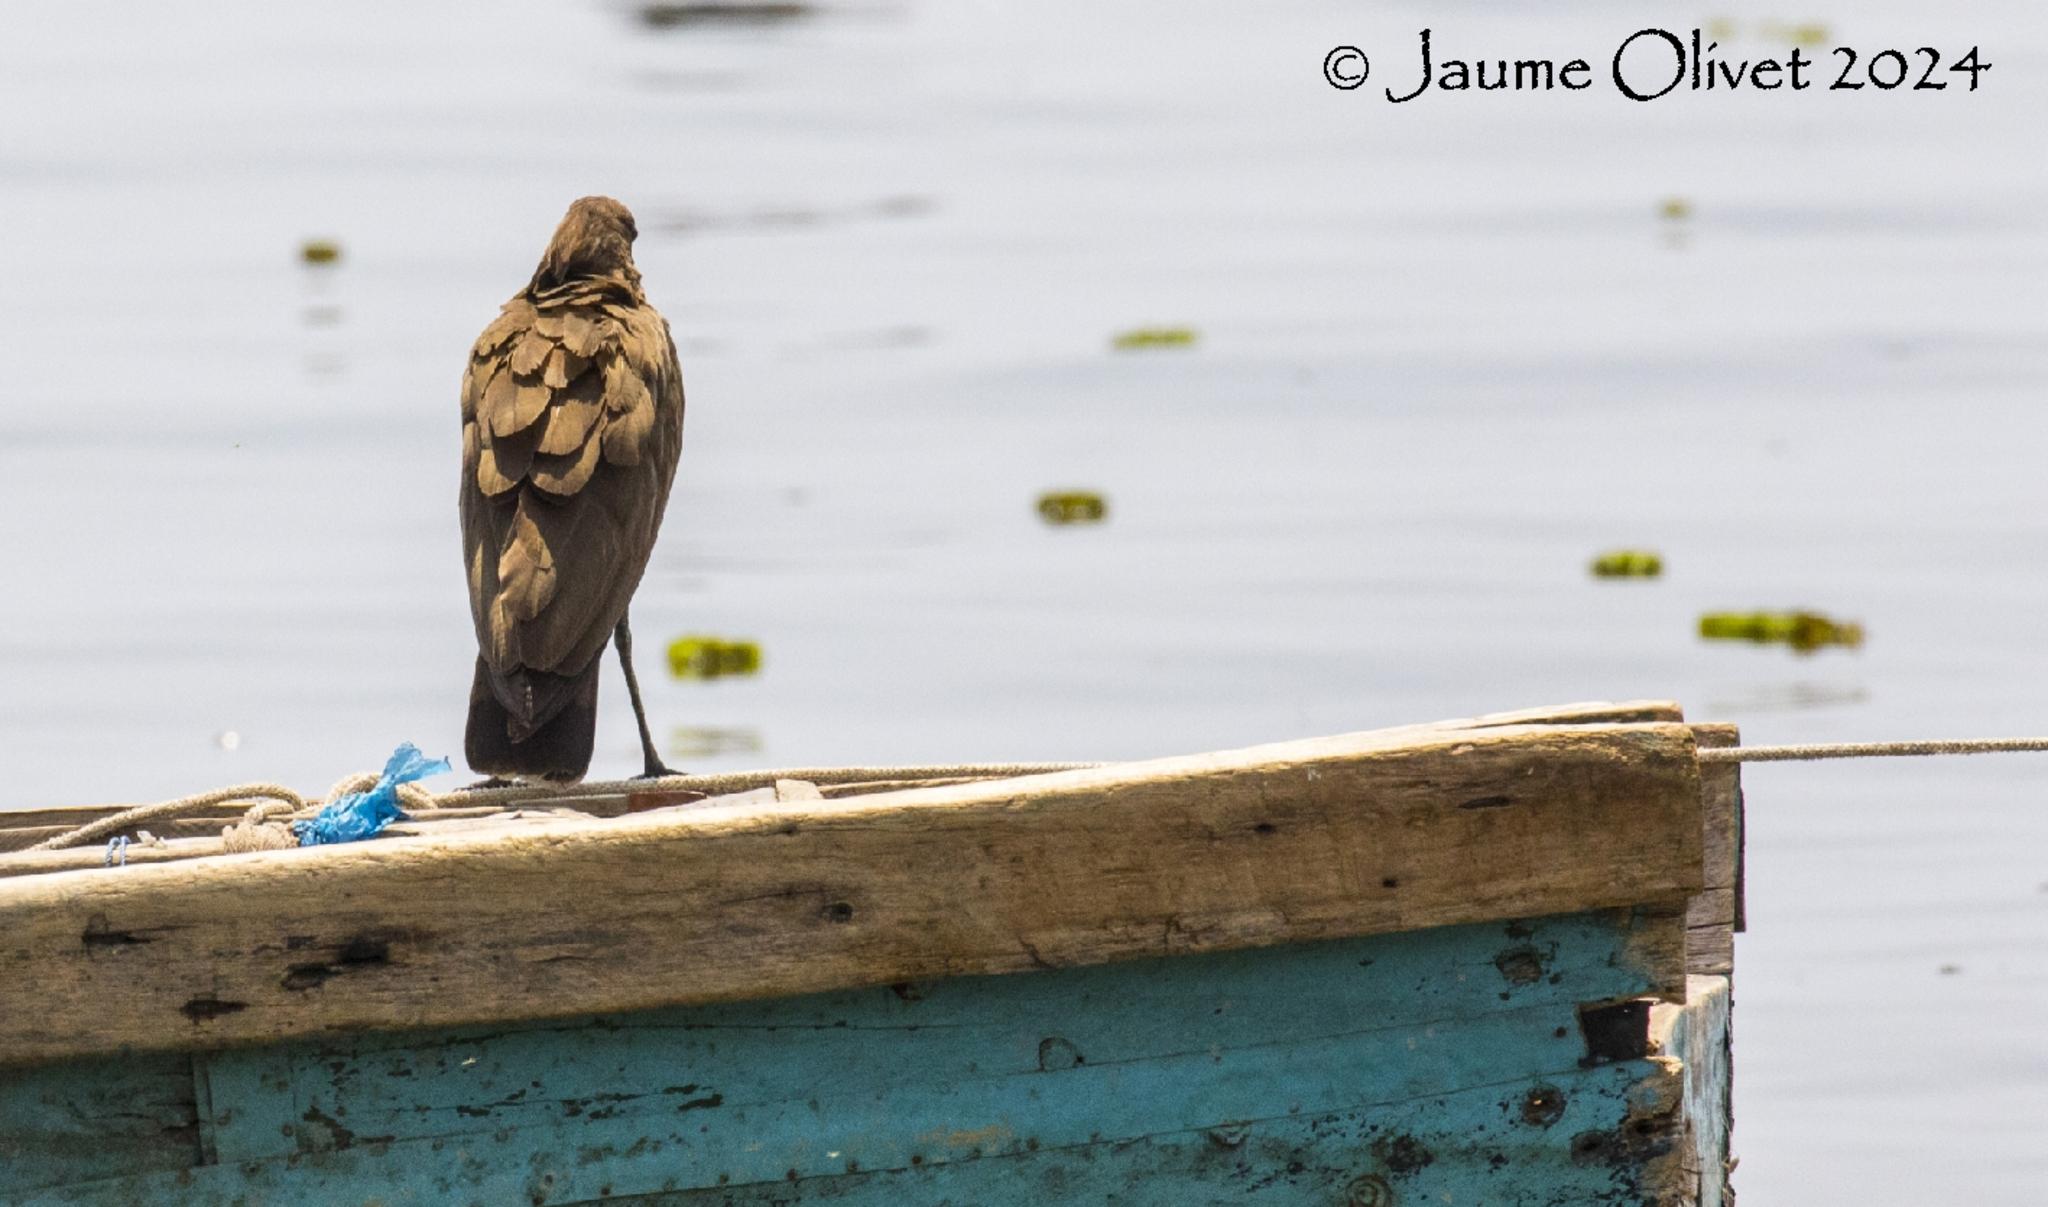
1659, 943
1435, 1065
1299, 841
1715, 915
1694, 1043
22, 829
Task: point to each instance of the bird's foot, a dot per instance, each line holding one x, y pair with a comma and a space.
656, 770
493, 781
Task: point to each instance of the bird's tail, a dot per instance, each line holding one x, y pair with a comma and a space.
558, 749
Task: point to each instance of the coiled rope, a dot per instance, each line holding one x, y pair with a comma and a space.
266, 825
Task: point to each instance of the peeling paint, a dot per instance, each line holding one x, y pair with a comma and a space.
1205, 1076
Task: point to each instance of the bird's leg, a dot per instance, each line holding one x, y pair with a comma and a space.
623, 638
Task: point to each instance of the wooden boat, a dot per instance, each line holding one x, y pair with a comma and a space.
1482, 961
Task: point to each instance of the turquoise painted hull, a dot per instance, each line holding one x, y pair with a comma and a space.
1430, 1067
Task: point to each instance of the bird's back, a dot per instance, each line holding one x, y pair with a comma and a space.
572, 416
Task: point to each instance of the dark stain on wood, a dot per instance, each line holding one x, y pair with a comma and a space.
206, 1009
305, 976
1488, 802
1642, 1137
1615, 1031
599, 1106
1402, 1154
99, 933
1596, 1147
1522, 964
114, 938
369, 950
337, 1137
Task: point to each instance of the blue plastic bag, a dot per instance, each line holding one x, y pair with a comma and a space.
361, 815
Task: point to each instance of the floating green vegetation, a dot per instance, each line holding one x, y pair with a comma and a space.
1803, 631
1628, 563
320, 251
1072, 507
693, 657
1674, 209
722, 12
1154, 337
1799, 33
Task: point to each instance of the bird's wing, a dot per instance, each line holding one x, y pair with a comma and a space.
572, 422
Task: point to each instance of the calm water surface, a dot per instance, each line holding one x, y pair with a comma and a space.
1447, 352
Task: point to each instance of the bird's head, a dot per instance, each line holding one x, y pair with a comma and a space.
595, 239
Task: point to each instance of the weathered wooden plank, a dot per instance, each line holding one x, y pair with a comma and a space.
1483, 1146
97, 1119
1287, 843
21, 829
433, 823
1710, 948
1715, 914
966, 1028
1660, 941
1696, 1038
1452, 1061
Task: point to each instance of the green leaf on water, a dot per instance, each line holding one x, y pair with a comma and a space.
1628, 563
696, 657
1803, 631
1154, 337
1072, 507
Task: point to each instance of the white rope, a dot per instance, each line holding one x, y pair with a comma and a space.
741, 781
266, 825
279, 803
1869, 750
128, 818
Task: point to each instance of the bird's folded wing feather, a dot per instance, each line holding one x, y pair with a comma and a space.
572, 419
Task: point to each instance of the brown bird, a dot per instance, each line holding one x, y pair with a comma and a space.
572, 419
